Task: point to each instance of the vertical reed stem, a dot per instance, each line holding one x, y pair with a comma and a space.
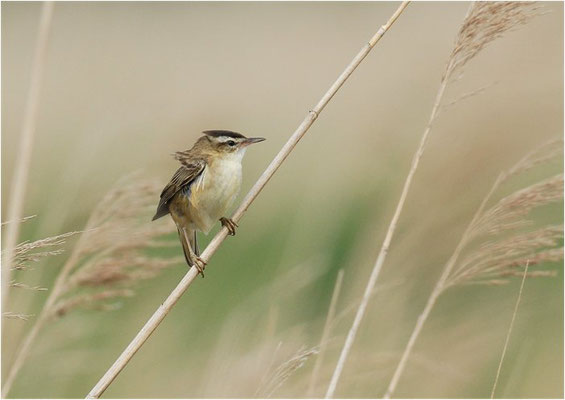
21, 169
325, 334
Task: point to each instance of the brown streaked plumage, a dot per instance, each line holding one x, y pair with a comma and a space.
204, 187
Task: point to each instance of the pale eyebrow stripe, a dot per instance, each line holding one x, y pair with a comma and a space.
224, 139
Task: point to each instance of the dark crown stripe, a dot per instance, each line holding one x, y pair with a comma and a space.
218, 133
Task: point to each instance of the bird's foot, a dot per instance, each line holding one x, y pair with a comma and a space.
230, 224
199, 264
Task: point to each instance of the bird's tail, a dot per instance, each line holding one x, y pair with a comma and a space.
191, 234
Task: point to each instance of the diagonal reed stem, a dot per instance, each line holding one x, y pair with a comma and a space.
437, 291
19, 183
509, 331
386, 243
190, 276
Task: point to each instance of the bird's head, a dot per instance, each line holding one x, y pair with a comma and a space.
227, 143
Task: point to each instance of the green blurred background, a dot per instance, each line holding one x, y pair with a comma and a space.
126, 84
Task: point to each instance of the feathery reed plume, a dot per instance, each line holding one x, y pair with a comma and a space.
21, 169
187, 280
483, 23
504, 248
112, 254
486, 22
494, 262
507, 340
27, 253
285, 371
505, 245
508, 212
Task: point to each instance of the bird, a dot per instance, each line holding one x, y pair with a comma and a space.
204, 187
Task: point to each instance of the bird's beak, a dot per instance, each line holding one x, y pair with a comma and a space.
252, 140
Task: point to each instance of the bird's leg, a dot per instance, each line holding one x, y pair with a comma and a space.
230, 224
196, 261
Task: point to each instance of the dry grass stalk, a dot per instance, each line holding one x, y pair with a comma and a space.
21, 285
467, 95
265, 378
483, 23
507, 340
12, 315
22, 220
21, 169
325, 334
93, 301
545, 153
285, 371
112, 255
497, 259
187, 280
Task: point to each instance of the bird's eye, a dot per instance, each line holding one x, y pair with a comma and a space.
230, 143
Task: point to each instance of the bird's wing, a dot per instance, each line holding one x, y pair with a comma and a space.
184, 176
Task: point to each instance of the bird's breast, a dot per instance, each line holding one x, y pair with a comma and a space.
214, 192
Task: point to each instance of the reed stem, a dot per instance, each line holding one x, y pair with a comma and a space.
510, 328
386, 244
192, 273
23, 160
325, 334
437, 291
